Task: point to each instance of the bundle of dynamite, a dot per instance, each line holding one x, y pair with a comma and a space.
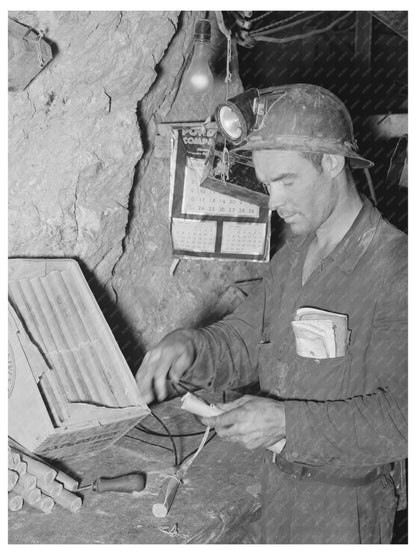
39, 485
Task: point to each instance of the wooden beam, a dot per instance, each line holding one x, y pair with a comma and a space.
363, 40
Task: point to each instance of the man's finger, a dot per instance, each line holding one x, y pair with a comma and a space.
226, 420
178, 367
160, 379
234, 404
144, 380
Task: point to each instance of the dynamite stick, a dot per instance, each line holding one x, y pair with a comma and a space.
45, 504
52, 489
13, 478
28, 481
68, 500
29, 495
14, 459
69, 483
165, 496
39, 469
15, 501
21, 468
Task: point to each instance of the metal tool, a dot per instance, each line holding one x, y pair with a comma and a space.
126, 484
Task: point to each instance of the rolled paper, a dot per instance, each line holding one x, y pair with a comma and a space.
69, 483
68, 500
39, 469
194, 404
50, 488
197, 406
45, 504
15, 501
13, 477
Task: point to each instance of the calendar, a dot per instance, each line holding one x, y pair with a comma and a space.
243, 238
199, 200
206, 223
194, 235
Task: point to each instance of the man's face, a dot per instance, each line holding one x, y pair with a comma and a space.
301, 194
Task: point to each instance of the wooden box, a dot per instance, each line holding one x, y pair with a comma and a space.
70, 388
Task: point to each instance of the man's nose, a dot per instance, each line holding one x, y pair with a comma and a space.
276, 196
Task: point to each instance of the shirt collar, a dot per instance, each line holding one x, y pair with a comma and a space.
354, 243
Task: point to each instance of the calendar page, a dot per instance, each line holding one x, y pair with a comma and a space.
199, 200
206, 223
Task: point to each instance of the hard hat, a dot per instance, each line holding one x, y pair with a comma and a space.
300, 117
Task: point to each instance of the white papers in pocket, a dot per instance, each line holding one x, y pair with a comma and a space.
320, 334
315, 338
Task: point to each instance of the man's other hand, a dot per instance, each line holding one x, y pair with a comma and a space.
253, 421
170, 358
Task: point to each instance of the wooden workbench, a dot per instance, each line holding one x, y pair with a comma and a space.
215, 505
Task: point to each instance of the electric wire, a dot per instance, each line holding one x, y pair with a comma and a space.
159, 434
260, 17
175, 452
171, 436
285, 23
185, 385
304, 35
149, 442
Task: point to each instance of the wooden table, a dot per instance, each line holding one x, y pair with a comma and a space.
215, 504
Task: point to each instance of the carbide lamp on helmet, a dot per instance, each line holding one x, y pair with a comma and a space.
300, 117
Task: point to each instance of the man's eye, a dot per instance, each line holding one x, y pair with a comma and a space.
266, 188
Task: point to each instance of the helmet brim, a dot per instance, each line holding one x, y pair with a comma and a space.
318, 146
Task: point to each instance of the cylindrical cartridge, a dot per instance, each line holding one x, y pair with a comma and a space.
15, 501
29, 495
68, 500
165, 497
13, 477
21, 468
14, 459
69, 483
28, 481
50, 488
39, 469
45, 504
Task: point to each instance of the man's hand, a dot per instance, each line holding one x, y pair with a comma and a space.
253, 421
171, 357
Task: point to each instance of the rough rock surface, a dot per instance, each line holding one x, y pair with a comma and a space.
86, 180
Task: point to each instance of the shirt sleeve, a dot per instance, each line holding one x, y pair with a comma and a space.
227, 350
369, 429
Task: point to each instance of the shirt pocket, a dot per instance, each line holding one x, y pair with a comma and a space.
323, 379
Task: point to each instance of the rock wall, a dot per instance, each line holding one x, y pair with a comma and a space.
86, 180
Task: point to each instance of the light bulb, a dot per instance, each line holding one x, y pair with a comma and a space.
198, 77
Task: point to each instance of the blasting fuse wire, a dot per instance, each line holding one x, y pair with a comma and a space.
175, 452
159, 434
149, 442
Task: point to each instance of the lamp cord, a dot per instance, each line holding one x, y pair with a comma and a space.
225, 159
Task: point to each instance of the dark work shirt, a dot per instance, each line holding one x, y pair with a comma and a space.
346, 411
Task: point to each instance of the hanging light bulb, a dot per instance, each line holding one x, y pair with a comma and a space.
198, 78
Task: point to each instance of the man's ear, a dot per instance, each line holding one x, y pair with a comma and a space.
333, 164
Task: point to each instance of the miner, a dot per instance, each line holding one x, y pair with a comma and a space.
337, 404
